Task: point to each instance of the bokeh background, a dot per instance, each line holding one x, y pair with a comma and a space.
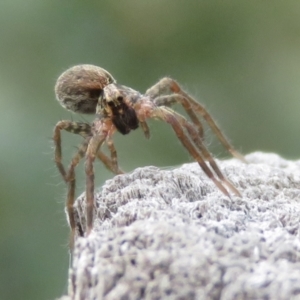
241, 59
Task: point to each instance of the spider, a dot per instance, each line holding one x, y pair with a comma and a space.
89, 89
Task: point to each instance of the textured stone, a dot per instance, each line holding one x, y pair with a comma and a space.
171, 234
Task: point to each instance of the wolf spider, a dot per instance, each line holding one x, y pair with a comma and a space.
90, 89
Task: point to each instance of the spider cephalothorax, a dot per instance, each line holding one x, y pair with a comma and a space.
90, 89
117, 103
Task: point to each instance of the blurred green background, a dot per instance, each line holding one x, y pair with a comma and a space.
241, 59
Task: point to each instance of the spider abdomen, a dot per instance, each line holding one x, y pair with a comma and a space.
79, 88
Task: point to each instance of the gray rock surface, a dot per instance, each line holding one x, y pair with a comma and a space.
171, 234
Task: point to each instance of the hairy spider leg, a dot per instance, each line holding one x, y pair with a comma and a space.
84, 130
145, 129
170, 86
204, 151
73, 127
95, 143
167, 115
113, 153
108, 163
169, 100
69, 176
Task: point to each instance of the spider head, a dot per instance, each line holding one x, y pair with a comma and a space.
116, 103
78, 89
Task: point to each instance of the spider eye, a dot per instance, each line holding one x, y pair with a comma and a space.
120, 99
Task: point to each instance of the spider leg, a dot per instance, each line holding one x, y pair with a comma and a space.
145, 129
114, 158
91, 153
170, 117
202, 148
108, 163
71, 189
82, 129
168, 86
72, 183
68, 175
169, 100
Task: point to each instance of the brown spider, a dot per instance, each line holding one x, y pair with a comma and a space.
90, 89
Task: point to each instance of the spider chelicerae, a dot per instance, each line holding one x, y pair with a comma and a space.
89, 89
